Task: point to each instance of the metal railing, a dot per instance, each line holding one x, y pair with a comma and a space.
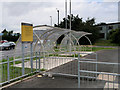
16, 68
94, 74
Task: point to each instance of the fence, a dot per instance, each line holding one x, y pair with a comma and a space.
94, 74
16, 67
90, 72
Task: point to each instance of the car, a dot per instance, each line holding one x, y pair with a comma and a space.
5, 45
12, 45
2, 41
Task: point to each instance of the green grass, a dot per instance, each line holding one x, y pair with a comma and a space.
42, 69
93, 48
100, 48
14, 72
104, 43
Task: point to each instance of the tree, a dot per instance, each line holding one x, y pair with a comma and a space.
78, 24
4, 31
114, 36
10, 36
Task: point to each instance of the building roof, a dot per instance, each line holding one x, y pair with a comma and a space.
108, 24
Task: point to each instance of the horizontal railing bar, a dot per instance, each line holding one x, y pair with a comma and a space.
108, 63
88, 53
19, 59
87, 77
71, 75
94, 72
65, 74
88, 59
16, 78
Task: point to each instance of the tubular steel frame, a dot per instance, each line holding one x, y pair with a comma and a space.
50, 35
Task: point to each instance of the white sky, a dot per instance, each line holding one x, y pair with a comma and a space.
38, 12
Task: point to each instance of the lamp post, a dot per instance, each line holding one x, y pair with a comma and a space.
66, 14
58, 16
70, 26
70, 14
51, 20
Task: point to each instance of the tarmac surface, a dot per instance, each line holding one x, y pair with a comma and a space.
68, 82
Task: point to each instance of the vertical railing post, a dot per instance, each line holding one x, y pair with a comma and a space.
39, 61
36, 61
31, 52
78, 70
23, 58
96, 64
8, 69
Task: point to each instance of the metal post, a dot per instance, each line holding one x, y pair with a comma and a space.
51, 20
39, 61
8, 69
58, 17
22, 58
66, 14
70, 14
96, 64
31, 51
36, 61
70, 26
78, 70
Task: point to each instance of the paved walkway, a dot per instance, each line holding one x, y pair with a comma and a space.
51, 62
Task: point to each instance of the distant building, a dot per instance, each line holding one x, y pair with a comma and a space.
106, 28
1, 34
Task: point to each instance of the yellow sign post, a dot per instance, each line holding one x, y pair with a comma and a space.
26, 32
27, 36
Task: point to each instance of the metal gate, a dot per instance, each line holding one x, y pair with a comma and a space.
94, 74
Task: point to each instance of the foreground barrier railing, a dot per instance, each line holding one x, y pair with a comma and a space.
105, 75
15, 68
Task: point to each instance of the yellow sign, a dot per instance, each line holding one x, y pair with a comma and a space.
26, 32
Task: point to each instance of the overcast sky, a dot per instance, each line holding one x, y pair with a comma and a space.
39, 12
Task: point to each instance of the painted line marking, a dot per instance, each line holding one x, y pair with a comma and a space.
105, 77
111, 85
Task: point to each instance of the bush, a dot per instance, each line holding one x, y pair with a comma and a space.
114, 36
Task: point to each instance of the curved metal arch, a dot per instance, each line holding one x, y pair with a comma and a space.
37, 41
50, 31
44, 34
89, 41
75, 39
15, 47
85, 37
64, 37
17, 43
41, 37
69, 39
53, 33
55, 39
